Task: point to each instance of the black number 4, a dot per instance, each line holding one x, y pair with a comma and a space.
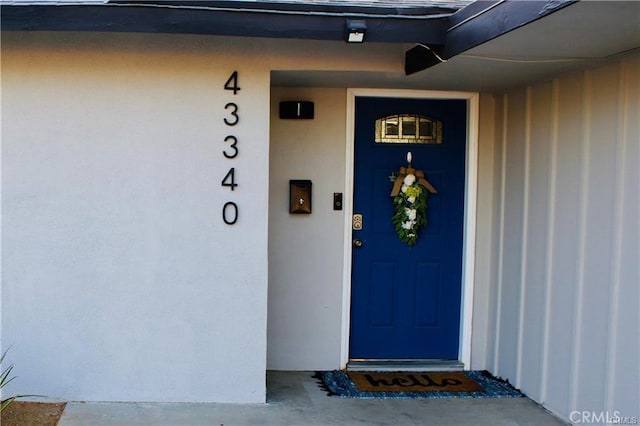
230, 179
232, 83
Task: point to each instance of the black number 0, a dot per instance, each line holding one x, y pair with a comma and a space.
230, 218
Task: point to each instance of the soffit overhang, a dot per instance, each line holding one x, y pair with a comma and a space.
406, 21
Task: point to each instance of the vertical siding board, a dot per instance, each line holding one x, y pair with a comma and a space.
582, 226
496, 243
484, 285
524, 235
513, 223
564, 243
550, 232
536, 239
598, 240
624, 382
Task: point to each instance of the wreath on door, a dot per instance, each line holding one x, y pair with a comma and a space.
410, 193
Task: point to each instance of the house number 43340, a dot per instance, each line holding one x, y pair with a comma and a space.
230, 210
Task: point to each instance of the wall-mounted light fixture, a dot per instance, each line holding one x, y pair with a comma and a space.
355, 31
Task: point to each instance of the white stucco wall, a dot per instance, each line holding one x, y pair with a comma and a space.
120, 279
306, 251
564, 324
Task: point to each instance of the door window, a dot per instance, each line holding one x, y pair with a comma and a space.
408, 129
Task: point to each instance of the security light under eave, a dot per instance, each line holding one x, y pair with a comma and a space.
356, 30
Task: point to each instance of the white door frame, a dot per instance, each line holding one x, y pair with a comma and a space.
470, 207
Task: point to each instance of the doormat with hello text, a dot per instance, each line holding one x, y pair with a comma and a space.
454, 384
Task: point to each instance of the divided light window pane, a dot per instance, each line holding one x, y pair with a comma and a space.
408, 129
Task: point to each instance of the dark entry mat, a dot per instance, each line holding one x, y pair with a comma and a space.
456, 384
453, 381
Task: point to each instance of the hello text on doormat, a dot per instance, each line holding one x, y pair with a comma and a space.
414, 382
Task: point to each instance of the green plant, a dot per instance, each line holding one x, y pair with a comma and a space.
5, 379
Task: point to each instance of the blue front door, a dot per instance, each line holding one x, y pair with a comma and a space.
406, 300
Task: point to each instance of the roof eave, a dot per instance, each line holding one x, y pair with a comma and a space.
228, 22
479, 23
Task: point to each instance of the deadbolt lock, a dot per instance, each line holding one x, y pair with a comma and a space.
357, 222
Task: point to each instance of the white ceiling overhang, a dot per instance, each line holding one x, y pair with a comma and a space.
581, 35
485, 46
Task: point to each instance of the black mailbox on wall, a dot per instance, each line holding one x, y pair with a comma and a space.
300, 196
296, 110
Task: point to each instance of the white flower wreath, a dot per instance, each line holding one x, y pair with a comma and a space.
410, 202
410, 209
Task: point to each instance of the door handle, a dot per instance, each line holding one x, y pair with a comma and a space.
357, 243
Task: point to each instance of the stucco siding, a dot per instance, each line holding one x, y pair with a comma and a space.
120, 279
566, 330
306, 251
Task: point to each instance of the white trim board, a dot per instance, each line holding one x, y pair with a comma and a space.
470, 207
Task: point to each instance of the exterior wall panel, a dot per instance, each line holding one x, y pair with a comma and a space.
538, 146
484, 302
513, 230
572, 149
599, 188
497, 214
563, 271
624, 333
306, 251
116, 276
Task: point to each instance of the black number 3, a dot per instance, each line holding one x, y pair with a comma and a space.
234, 143
234, 114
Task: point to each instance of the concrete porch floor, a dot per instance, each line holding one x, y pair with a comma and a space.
294, 398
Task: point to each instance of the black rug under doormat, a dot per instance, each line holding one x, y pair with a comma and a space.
462, 384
